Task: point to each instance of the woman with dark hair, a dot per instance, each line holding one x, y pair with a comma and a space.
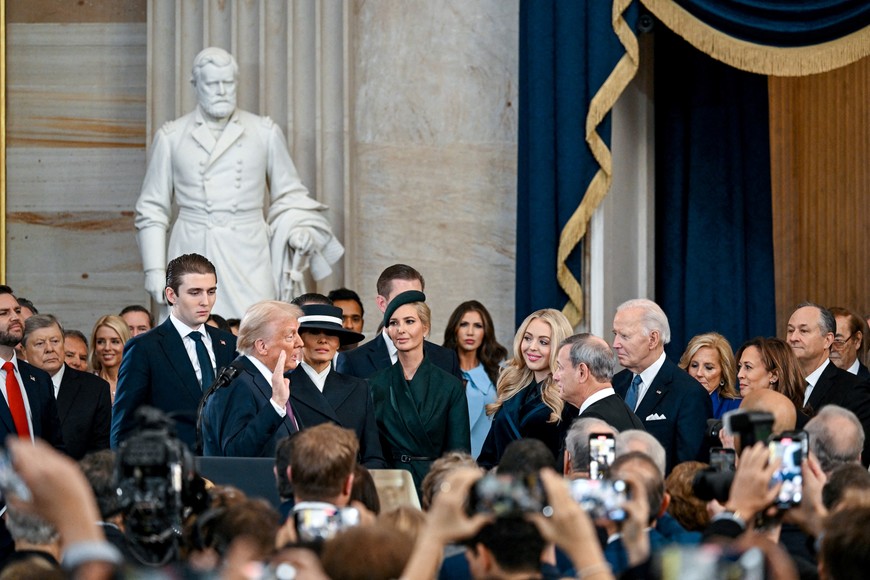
471, 334
420, 409
710, 361
770, 363
528, 402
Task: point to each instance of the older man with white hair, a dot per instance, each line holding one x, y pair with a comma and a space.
673, 406
249, 416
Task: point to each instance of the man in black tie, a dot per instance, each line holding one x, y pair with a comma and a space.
83, 401
585, 365
810, 333
673, 406
249, 416
168, 366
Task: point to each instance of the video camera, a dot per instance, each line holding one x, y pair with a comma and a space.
157, 487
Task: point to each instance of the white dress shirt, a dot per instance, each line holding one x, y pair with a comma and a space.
190, 344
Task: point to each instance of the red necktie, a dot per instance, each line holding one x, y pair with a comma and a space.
16, 401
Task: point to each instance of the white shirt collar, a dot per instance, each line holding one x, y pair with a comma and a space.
264, 370
391, 348
855, 366
648, 376
596, 396
813, 378
56, 379
184, 329
319, 379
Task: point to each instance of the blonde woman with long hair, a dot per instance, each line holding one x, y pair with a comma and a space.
108, 338
528, 402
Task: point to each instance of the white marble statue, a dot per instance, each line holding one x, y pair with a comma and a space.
217, 164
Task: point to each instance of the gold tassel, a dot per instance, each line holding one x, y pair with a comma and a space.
759, 58
601, 104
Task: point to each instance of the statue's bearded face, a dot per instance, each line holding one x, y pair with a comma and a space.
216, 90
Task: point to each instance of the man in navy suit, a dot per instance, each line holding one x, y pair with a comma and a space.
322, 395
170, 366
673, 406
810, 335
249, 416
84, 405
380, 352
584, 368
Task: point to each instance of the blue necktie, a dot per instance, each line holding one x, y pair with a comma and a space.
204, 360
631, 394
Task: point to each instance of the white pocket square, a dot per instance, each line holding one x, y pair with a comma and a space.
655, 417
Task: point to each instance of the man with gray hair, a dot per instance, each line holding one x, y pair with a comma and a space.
217, 163
836, 437
637, 440
34, 538
84, 405
810, 334
673, 406
584, 367
576, 462
249, 416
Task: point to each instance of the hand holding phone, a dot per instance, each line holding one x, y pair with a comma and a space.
791, 449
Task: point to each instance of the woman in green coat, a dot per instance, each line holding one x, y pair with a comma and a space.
421, 410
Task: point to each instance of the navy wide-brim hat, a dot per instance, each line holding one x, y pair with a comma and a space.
327, 318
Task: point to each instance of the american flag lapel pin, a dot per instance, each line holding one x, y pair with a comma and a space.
32, 378
223, 343
658, 392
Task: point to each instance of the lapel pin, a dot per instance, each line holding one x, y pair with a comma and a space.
223, 343
658, 392
32, 378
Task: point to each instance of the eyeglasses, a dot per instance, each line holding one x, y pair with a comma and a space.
840, 343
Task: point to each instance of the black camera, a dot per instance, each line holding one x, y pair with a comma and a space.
157, 487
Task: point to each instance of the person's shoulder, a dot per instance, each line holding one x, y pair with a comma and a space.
170, 127
27, 370
224, 337
87, 380
345, 379
443, 377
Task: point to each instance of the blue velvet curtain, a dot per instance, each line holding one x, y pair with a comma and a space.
783, 23
714, 241
567, 50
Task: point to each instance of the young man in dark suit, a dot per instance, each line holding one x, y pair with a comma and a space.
322, 395
380, 352
673, 406
249, 416
84, 405
810, 334
170, 366
585, 365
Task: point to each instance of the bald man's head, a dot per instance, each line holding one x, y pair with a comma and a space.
782, 409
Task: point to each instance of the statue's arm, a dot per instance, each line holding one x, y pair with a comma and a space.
153, 211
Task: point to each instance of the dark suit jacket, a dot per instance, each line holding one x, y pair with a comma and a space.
863, 372
240, 421
373, 356
839, 387
43, 408
156, 371
345, 401
85, 409
685, 406
615, 412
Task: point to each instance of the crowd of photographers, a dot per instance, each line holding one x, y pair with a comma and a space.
610, 514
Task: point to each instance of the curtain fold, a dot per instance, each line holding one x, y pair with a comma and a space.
775, 37
575, 60
714, 222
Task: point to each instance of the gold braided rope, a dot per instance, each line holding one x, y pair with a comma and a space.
600, 105
758, 58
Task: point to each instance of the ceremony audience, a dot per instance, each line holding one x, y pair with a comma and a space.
108, 338
708, 358
470, 332
528, 402
540, 410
